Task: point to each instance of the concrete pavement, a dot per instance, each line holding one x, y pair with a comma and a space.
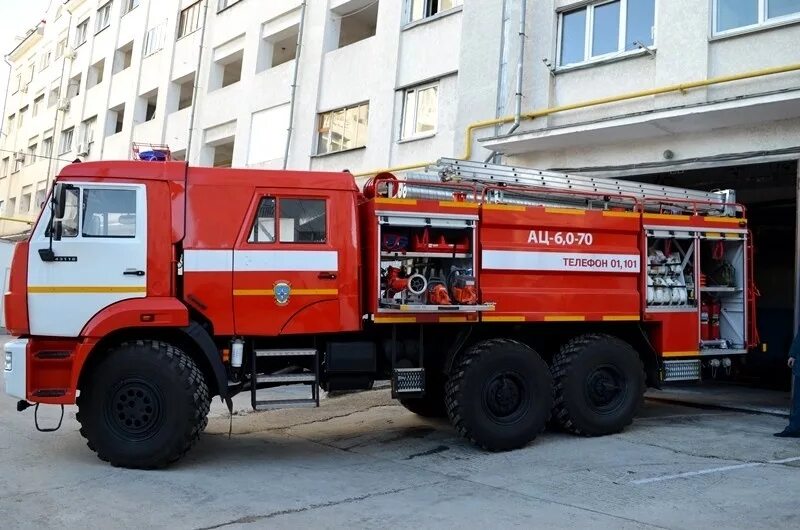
361, 460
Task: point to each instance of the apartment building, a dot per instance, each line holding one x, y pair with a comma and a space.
379, 83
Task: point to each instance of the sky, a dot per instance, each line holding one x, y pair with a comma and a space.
16, 18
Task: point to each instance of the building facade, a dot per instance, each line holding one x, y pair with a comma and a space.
379, 83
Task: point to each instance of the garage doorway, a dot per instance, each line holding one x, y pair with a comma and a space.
768, 191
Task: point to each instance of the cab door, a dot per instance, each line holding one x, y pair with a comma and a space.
287, 265
99, 257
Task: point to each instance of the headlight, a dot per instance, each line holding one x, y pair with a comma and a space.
9, 362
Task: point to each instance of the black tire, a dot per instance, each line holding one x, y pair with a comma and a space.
599, 385
432, 404
499, 394
144, 406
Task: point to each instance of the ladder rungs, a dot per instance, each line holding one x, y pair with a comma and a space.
285, 353
287, 378
284, 404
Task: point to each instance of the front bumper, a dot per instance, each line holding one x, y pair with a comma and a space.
15, 356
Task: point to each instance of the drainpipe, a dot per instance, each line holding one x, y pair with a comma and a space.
294, 84
196, 87
520, 66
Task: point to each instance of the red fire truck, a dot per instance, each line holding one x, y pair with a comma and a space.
494, 295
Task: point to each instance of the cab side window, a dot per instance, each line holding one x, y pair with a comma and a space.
68, 227
109, 213
303, 221
299, 221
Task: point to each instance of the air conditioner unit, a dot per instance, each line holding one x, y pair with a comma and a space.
82, 149
19, 156
63, 104
69, 53
24, 88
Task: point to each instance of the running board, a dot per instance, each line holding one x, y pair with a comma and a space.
310, 379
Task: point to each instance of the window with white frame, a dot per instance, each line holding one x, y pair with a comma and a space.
5, 167
47, 56
603, 29
343, 129
87, 134
225, 4
81, 31
731, 15
154, 40
420, 9
37, 105
420, 111
33, 147
190, 20
47, 147
61, 47
129, 5
67, 136
103, 18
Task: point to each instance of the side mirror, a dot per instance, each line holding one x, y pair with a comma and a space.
59, 201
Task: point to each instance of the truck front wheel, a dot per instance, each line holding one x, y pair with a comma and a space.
599, 383
499, 394
144, 405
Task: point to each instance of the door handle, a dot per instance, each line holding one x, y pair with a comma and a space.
327, 276
133, 272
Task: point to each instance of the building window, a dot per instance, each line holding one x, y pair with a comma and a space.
225, 4
5, 167
66, 140
22, 112
343, 129
74, 86
154, 40
419, 9
123, 58
37, 105
149, 104
737, 14
87, 135
420, 111
25, 199
190, 20
103, 18
185, 91
19, 161
52, 97
61, 47
17, 83
603, 29
96, 72
47, 147
109, 213
129, 5
30, 155
10, 123
356, 22
81, 32
41, 192
116, 120
47, 56
12, 206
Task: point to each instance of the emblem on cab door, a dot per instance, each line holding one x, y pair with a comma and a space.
282, 291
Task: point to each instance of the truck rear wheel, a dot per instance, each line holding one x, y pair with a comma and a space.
499, 394
144, 406
599, 385
432, 404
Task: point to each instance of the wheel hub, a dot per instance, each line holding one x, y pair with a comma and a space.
505, 396
605, 388
134, 410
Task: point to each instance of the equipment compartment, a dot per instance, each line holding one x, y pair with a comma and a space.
722, 281
427, 265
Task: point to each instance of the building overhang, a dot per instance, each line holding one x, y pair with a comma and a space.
697, 118
28, 41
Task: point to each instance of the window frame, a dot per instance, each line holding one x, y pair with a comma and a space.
83, 34
409, 11
332, 112
99, 17
417, 89
182, 28
278, 216
159, 32
764, 21
82, 212
588, 37
129, 6
62, 149
227, 4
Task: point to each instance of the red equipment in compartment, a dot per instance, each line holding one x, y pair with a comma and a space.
713, 319
705, 330
425, 243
